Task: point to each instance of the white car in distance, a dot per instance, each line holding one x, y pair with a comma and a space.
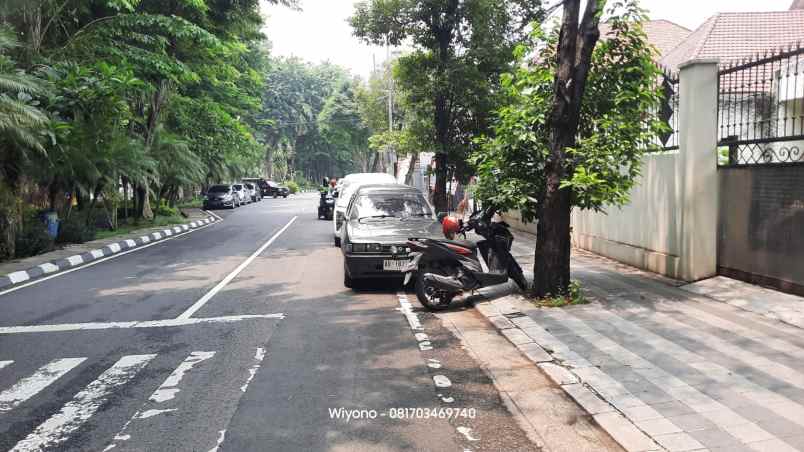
348, 185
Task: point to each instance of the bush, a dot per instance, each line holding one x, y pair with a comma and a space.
166, 211
74, 229
293, 187
33, 239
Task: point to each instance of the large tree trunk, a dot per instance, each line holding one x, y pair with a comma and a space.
552, 255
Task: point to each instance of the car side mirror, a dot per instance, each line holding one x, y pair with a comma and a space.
441, 216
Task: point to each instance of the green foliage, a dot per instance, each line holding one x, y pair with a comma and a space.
165, 210
33, 239
293, 187
615, 131
76, 229
573, 296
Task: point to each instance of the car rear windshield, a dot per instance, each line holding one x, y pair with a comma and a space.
219, 189
397, 205
237, 187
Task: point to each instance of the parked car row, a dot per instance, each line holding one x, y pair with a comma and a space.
268, 188
233, 195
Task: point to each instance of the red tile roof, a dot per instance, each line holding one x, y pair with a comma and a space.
663, 34
734, 36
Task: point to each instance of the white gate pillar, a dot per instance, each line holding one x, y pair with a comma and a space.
698, 107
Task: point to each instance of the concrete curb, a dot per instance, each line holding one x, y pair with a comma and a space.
557, 364
49, 268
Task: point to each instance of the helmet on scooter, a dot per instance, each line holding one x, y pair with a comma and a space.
450, 226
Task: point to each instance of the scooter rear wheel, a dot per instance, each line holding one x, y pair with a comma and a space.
428, 296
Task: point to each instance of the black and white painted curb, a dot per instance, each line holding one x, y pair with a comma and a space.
49, 268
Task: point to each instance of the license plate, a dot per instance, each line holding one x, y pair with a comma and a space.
395, 265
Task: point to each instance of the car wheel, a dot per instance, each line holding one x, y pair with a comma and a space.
285, 196
347, 280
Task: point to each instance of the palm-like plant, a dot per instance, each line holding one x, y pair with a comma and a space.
20, 120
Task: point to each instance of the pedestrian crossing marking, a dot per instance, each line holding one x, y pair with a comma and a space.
41, 379
84, 405
166, 391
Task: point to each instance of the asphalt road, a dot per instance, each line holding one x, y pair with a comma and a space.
237, 337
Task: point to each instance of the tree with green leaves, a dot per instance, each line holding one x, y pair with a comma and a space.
461, 48
574, 129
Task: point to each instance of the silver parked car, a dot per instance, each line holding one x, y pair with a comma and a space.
243, 196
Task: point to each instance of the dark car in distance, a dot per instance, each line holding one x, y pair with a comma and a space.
379, 221
281, 191
219, 196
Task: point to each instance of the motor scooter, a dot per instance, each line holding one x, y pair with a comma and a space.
445, 268
326, 205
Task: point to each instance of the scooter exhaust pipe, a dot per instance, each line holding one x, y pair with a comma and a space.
445, 283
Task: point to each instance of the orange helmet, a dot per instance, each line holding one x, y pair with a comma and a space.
450, 226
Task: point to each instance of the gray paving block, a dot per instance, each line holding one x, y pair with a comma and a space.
691, 422
588, 400
625, 433
501, 323
534, 352
678, 442
655, 427
714, 438
516, 336
558, 374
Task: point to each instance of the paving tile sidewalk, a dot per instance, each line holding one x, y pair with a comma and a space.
16, 265
663, 368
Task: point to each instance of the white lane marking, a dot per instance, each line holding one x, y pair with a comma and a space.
6, 363
135, 324
467, 433
434, 363
422, 337
18, 277
48, 268
131, 243
83, 406
169, 388
75, 260
221, 437
208, 296
441, 381
41, 379
90, 264
446, 399
252, 371
166, 391
152, 413
97, 254
114, 247
407, 310
213, 214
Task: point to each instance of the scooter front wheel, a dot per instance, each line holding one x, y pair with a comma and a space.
429, 297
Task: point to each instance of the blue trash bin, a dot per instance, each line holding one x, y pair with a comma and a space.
52, 222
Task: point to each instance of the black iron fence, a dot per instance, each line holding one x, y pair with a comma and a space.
667, 111
761, 109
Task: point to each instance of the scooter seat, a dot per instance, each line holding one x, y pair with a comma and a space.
463, 243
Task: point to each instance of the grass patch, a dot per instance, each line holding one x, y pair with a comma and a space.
574, 296
128, 228
195, 203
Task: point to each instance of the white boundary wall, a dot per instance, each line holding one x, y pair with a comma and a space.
670, 224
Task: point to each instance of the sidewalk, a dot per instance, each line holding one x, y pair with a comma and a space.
663, 368
17, 265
